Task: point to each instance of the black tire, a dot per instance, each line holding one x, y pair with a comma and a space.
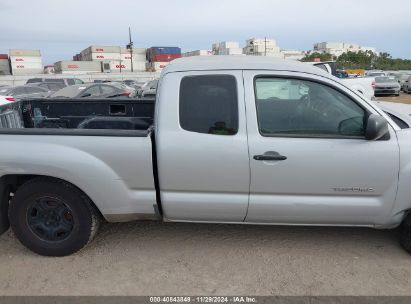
405, 233
52, 217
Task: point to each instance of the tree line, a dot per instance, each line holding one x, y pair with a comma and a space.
363, 60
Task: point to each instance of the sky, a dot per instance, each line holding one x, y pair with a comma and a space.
60, 29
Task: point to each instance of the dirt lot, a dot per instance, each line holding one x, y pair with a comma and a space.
144, 258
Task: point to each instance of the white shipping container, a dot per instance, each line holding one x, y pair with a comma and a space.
77, 66
26, 65
102, 49
156, 66
27, 71
136, 57
105, 56
126, 66
141, 51
4, 62
15, 52
21, 59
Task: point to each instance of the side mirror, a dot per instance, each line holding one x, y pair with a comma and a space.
86, 95
377, 128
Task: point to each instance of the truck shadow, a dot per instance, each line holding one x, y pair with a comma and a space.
304, 239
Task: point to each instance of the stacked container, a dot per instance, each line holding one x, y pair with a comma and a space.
262, 47
77, 67
4, 64
160, 57
227, 48
26, 62
100, 53
139, 59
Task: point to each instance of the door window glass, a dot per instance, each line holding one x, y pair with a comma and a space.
307, 108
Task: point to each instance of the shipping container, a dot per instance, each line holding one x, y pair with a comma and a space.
141, 51
23, 59
156, 66
155, 50
102, 49
105, 56
26, 65
136, 57
117, 66
165, 57
4, 56
35, 53
27, 71
77, 66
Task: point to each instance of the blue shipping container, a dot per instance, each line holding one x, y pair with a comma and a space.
164, 50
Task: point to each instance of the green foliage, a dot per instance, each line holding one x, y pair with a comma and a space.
368, 60
322, 56
364, 60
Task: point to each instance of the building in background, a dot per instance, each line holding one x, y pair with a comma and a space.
338, 48
227, 48
262, 47
198, 53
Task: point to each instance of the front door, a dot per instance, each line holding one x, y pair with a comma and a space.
310, 162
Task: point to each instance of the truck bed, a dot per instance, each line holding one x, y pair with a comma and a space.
84, 114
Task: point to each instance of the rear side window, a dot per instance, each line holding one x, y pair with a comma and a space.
70, 81
209, 104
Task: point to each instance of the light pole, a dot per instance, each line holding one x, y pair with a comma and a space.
130, 47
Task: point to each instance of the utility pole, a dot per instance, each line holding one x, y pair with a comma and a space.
265, 46
130, 47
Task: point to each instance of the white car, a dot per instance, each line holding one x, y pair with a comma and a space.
363, 85
6, 100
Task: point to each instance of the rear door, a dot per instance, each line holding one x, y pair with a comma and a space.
202, 153
310, 162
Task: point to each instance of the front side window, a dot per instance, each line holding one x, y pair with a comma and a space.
209, 104
305, 108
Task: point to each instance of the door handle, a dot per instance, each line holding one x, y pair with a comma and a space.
270, 155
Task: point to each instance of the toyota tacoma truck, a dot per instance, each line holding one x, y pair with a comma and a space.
241, 140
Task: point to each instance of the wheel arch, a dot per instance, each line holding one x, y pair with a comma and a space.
9, 184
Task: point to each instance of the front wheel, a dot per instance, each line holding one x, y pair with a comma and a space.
52, 217
405, 233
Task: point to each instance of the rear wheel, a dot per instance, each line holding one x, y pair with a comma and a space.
52, 217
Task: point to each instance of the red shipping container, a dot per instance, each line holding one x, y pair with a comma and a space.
165, 57
4, 56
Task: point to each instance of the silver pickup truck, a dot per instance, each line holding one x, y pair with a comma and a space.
235, 140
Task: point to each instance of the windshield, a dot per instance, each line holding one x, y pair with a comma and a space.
384, 79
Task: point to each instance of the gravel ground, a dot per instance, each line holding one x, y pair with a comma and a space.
150, 258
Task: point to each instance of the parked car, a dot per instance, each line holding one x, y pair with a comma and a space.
363, 85
149, 86
236, 140
24, 91
6, 99
406, 87
92, 90
50, 86
385, 85
375, 74
66, 81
